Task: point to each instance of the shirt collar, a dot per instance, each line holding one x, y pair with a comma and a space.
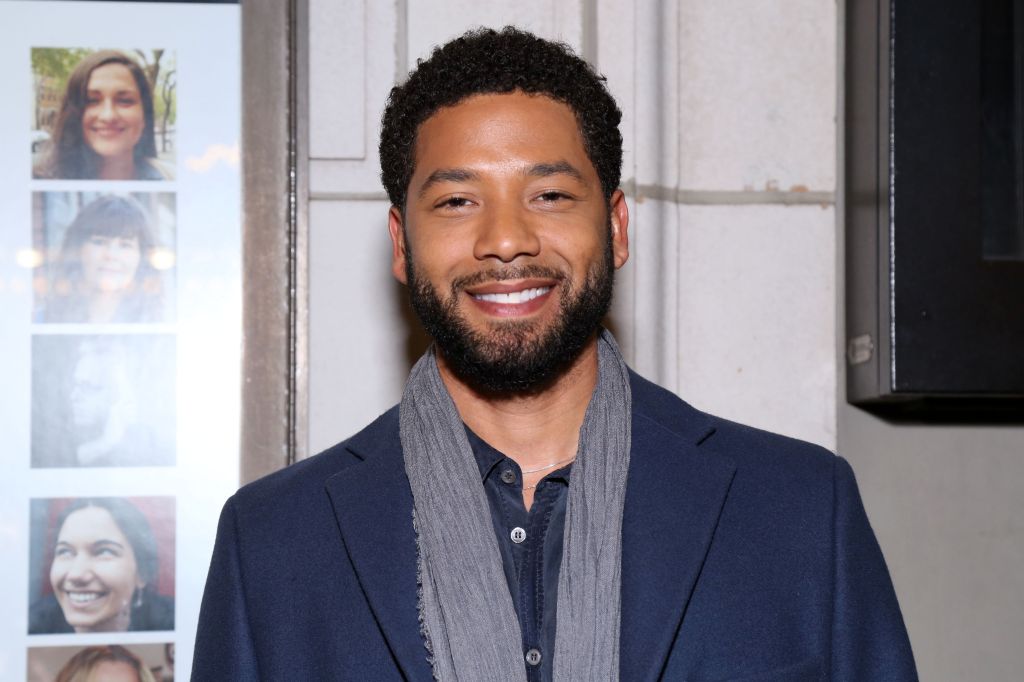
488, 458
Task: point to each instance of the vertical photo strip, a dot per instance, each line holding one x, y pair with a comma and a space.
103, 564
103, 114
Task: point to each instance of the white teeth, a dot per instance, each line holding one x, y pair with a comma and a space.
82, 597
514, 297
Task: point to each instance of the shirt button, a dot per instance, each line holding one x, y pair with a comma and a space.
508, 476
518, 535
533, 657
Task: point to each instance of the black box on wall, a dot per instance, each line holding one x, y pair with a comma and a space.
935, 206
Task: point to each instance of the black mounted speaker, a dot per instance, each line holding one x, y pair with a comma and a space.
935, 207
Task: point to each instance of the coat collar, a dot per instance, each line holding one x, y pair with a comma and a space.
675, 494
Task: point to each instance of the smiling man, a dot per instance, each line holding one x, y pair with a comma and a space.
533, 510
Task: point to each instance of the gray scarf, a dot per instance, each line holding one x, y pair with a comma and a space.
468, 620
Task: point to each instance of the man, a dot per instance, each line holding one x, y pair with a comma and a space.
532, 509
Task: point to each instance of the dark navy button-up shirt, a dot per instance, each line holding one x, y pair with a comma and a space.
532, 562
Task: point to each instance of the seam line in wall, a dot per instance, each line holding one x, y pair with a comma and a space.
726, 197
348, 196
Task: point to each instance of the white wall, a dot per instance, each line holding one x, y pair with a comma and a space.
733, 294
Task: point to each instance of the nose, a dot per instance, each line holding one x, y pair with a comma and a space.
79, 570
106, 108
505, 234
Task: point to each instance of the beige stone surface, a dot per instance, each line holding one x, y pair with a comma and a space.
757, 316
358, 337
433, 22
758, 94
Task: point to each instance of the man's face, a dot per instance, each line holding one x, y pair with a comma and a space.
508, 244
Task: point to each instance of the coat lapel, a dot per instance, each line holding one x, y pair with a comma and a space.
675, 494
373, 505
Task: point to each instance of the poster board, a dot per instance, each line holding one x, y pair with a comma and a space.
120, 311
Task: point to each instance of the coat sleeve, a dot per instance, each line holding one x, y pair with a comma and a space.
224, 644
869, 639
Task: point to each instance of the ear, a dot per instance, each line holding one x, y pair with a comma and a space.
620, 228
397, 233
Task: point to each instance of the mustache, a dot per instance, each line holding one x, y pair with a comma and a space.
510, 272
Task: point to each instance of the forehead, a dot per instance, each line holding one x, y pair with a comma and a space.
512, 126
114, 671
90, 522
114, 75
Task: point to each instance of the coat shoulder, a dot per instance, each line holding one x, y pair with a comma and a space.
748, 447
306, 479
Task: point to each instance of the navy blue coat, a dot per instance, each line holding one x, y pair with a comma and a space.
746, 556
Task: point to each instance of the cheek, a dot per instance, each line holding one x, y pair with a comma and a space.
56, 574
131, 259
137, 118
441, 261
118, 576
88, 257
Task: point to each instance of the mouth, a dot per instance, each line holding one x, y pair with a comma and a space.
512, 298
83, 599
107, 132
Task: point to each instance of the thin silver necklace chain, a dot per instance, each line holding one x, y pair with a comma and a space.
543, 468
548, 466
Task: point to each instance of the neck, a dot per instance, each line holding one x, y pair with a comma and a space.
535, 429
117, 168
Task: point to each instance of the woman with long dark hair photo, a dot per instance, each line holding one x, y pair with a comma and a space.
105, 125
103, 573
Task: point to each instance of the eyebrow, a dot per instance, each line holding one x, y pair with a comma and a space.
448, 175
102, 542
543, 170
537, 170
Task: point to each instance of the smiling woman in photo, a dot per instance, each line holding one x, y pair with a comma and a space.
104, 272
103, 573
104, 128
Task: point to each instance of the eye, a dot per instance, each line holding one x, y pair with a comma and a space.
106, 549
453, 203
99, 240
62, 552
126, 101
554, 196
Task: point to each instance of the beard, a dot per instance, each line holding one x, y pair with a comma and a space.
514, 356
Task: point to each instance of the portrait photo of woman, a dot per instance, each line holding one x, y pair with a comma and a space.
103, 400
104, 127
104, 566
108, 259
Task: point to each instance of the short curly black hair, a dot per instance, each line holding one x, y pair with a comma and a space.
486, 61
